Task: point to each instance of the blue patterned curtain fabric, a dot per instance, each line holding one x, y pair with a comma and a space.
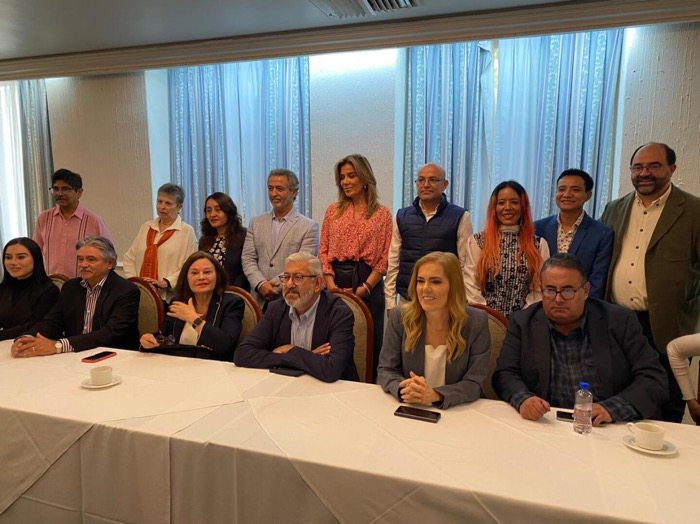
231, 124
557, 97
523, 109
449, 100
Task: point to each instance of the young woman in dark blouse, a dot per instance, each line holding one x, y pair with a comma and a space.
26, 293
223, 235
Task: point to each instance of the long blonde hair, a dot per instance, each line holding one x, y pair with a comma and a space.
413, 316
364, 171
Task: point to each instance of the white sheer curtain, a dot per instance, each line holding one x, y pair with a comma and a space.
12, 209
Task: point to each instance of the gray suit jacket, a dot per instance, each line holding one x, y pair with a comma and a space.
464, 376
671, 263
261, 261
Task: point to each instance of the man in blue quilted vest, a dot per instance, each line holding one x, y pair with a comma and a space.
430, 224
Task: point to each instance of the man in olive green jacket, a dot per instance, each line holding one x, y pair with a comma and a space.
655, 267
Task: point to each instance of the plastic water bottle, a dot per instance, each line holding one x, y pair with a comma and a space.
582, 409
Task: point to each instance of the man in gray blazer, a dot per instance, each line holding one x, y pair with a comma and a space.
655, 267
273, 236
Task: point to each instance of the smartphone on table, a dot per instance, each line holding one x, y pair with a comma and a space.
97, 357
418, 414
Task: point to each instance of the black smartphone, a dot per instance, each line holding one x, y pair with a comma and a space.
289, 372
418, 414
98, 356
565, 416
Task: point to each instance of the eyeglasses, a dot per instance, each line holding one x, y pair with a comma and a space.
296, 278
432, 181
652, 167
567, 294
62, 189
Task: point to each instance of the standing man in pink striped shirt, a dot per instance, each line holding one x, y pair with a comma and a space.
59, 228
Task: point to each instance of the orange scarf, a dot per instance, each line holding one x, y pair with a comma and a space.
149, 267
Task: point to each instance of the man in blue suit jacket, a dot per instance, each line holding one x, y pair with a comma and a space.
311, 329
573, 231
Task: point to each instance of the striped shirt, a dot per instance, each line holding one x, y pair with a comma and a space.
57, 237
91, 296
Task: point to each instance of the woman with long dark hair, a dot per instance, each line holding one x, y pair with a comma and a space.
201, 314
355, 239
436, 349
504, 260
223, 235
26, 293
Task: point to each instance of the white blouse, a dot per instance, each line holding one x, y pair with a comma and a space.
435, 360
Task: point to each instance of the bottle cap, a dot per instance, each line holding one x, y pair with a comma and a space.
583, 385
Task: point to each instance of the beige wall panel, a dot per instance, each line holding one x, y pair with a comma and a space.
662, 98
99, 129
352, 111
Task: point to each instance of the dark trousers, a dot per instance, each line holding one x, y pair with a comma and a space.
350, 274
674, 409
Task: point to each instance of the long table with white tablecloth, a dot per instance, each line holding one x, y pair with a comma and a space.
185, 440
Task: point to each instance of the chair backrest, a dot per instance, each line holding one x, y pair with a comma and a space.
151, 308
59, 279
252, 313
498, 324
364, 334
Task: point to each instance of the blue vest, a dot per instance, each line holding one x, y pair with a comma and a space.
418, 237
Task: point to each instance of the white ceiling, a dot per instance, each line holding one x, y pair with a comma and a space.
30, 28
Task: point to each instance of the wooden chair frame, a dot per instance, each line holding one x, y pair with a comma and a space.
57, 277
249, 301
370, 332
503, 321
160, 307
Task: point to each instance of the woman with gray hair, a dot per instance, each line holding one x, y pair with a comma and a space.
163, 244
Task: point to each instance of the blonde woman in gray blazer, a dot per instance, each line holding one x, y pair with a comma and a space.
436, 349
273, 236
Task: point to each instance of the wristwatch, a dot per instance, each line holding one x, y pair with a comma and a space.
58, 346
197, 322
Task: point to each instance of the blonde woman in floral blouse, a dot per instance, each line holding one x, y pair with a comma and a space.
355, 239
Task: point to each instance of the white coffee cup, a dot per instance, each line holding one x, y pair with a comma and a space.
101, 375
647, 435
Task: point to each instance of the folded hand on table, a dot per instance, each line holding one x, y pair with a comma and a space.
415, 390
534, 408
38, 346
599, 414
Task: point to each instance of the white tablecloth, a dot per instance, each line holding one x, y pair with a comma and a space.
250, 446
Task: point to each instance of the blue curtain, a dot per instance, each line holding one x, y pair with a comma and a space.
449, 100
197, 145
556, 107
37, 156
231, 124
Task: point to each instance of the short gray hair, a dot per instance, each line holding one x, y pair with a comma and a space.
292, 178
103, 244
173, 191
315, 267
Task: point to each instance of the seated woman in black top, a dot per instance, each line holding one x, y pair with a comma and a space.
201, 314
26, 293
223, 235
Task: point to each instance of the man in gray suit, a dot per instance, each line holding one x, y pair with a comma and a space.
273, 236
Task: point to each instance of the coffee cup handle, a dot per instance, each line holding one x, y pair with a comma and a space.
630, 427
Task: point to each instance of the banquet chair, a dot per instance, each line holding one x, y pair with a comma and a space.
151, 308
59, 279
252, 313
363, 330
498, 324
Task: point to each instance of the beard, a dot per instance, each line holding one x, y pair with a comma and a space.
297, 301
